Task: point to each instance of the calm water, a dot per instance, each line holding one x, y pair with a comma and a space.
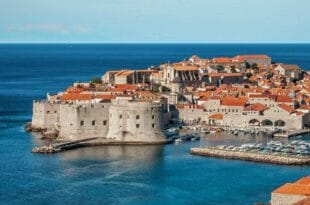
120, 174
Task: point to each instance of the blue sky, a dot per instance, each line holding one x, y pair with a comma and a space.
154, 21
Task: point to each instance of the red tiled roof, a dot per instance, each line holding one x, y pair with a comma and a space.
186, 67
232, 101
216, 116
76, 96
222, 60
293, 189
105, 97
304, 181
300, 187
286, 107
225, 74
74, 89
256, 107
284, 99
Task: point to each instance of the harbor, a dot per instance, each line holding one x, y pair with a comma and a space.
293, 153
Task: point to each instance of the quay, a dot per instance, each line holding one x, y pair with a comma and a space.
94, 141
289, 134
251, 156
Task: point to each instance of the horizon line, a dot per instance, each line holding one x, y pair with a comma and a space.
154, 42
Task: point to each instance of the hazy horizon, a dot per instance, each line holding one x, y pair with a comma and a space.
160, 21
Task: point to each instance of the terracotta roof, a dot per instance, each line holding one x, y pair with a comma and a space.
204, 98
304, 107
76, 96
304, 181
185, 67
105, 97
284, 99
225, 74
131, 87
256, 107
215, 97
74, 89
216, 116
286, 107
232, 101
293, 189
222, 60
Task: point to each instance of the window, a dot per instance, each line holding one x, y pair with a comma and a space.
93, 122
47, 112
82, 123
137, 117
55, 111
137, 125
120, 116
153, 125
104, 122
153, 116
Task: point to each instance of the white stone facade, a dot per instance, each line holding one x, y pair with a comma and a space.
141, 121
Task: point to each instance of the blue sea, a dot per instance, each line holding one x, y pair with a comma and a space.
121, 174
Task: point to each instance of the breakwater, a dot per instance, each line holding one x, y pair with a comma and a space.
251, 156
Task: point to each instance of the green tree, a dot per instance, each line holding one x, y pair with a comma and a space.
233, 69
96, 80
220, 68
248, 75
269, 75
254, 66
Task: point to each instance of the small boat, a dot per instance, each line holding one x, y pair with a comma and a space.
178, 140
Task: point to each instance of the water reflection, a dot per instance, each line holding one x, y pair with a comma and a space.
113, 152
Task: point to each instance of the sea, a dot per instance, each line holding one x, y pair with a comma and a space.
164, 174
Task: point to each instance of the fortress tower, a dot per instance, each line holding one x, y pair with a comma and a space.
135, 121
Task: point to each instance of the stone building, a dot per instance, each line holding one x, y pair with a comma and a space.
289, 71
127, 76
87, 120
124, 119
238, 112
257, 59
45, 115
224, 78
135, 120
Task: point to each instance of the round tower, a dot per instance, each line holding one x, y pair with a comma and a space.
135, 121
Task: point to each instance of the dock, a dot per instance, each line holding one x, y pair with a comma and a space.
289, 134
95, 141
251, 156
58, 147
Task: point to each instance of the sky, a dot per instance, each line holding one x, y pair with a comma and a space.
154, 21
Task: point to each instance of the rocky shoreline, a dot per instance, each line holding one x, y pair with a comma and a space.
251, 156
